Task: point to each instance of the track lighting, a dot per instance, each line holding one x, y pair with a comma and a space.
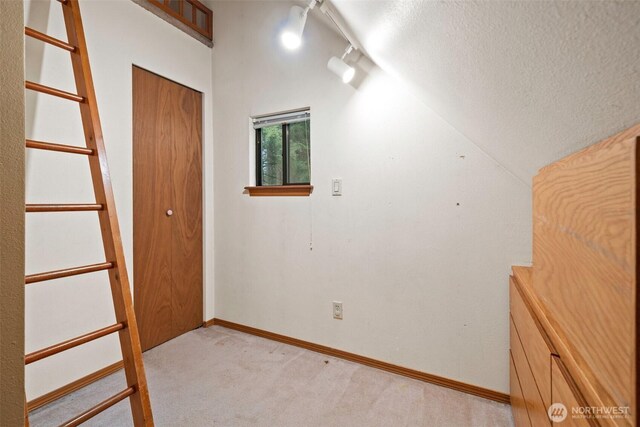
291, 35
339, 67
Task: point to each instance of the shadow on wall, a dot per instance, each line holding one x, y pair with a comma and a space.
36, 17
363, 66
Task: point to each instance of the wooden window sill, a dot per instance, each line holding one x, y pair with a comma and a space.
280, 190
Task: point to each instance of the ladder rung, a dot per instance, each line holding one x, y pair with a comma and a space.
76, 385
135, 390
105, 404
50, 275
48, 39
74, 342
63, 208
58, 147
52, 91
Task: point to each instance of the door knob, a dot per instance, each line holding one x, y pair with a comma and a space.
169, 212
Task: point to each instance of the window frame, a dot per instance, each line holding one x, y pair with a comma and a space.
191, 23
285, 159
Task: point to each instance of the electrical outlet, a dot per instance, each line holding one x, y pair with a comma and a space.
337, 310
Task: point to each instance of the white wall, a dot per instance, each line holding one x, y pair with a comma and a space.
423, 279
528, 81
418, 248
119, 34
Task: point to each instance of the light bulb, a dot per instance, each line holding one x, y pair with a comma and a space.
290, 40
348, 75
344, 71
291, 35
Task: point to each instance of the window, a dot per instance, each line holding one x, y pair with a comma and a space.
283, 155
188, 13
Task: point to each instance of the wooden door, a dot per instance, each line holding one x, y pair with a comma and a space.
167, 207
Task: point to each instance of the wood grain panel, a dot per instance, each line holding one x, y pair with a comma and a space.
186, 184
563, 391
522, 280
167, 177
152, 138
535, 346
518, 407
585, 266
280, 190
535, 406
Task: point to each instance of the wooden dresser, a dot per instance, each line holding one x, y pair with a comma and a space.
573, 313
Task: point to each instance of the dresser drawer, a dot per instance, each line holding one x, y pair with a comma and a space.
518, 407
562, 391
536, 408
536, 350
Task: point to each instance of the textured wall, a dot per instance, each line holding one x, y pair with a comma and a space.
527, 81
419, 246
12, 217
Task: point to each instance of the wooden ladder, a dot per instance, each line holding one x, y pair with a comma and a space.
104, 205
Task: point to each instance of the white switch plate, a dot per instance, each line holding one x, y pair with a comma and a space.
337, 310
336, 187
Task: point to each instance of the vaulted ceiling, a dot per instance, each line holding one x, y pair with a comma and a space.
526, 81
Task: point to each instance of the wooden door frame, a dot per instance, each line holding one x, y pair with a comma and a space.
202, 186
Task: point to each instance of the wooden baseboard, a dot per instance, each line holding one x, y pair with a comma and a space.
399, 370
71, 387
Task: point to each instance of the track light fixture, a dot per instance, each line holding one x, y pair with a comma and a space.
291, 35
338, 66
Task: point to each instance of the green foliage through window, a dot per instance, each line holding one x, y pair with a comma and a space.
283, 154
271, 155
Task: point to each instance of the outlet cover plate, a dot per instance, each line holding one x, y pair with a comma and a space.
337, 310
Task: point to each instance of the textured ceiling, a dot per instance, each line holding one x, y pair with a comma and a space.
528, 82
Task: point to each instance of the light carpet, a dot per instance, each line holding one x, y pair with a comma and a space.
220, 377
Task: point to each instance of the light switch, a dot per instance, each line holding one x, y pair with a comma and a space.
336, 187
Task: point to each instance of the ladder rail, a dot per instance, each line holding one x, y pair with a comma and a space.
112, 241
126, 326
